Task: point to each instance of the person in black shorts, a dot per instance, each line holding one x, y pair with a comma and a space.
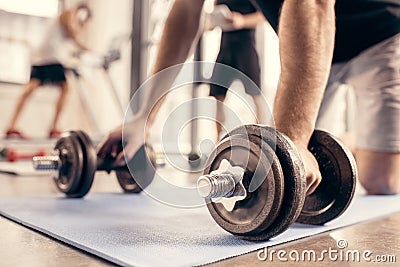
46, 64
238, 34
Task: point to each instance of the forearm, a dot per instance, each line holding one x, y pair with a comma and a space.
81, 45
253, 19
179, 33
67, 23
307, 30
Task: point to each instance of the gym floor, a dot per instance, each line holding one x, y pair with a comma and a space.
20, 245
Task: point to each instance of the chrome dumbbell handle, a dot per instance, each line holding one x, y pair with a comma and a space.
216, 185
224, 185
46, 162
54, 162
225, 182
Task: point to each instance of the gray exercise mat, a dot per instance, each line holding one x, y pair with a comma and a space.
138, 231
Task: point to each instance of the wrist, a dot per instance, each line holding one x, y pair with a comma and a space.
141, 122
299, 137
142, 116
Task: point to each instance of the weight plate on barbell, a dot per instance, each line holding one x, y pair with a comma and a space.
339, 174
71, 156
262, 181
293, 177
88, 168
126, 181
141, 168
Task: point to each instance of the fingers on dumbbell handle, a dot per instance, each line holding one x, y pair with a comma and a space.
106, 164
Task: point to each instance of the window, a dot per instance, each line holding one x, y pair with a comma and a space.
40, 8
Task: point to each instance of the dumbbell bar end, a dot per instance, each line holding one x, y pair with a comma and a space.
46, 163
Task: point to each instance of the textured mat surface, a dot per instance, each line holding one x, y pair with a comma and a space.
138, 231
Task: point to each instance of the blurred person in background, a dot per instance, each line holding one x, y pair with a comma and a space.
237, 50
47, 67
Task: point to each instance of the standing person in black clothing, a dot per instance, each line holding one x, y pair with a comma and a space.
362, 40
238, 51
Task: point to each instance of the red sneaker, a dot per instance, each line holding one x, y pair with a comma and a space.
54, 134
14, 134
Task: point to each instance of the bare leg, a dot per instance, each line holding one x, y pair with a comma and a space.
379, 172
29, 88
260, 105
220, 116
60, 105
349, 140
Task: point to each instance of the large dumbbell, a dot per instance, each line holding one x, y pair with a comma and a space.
255, 186
75, 160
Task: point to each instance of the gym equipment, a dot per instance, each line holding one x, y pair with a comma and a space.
75, 159
255, 186
102, 63
11, 155
194, 156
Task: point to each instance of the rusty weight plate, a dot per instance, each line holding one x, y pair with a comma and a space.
293, 177
339, 175
252, 215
